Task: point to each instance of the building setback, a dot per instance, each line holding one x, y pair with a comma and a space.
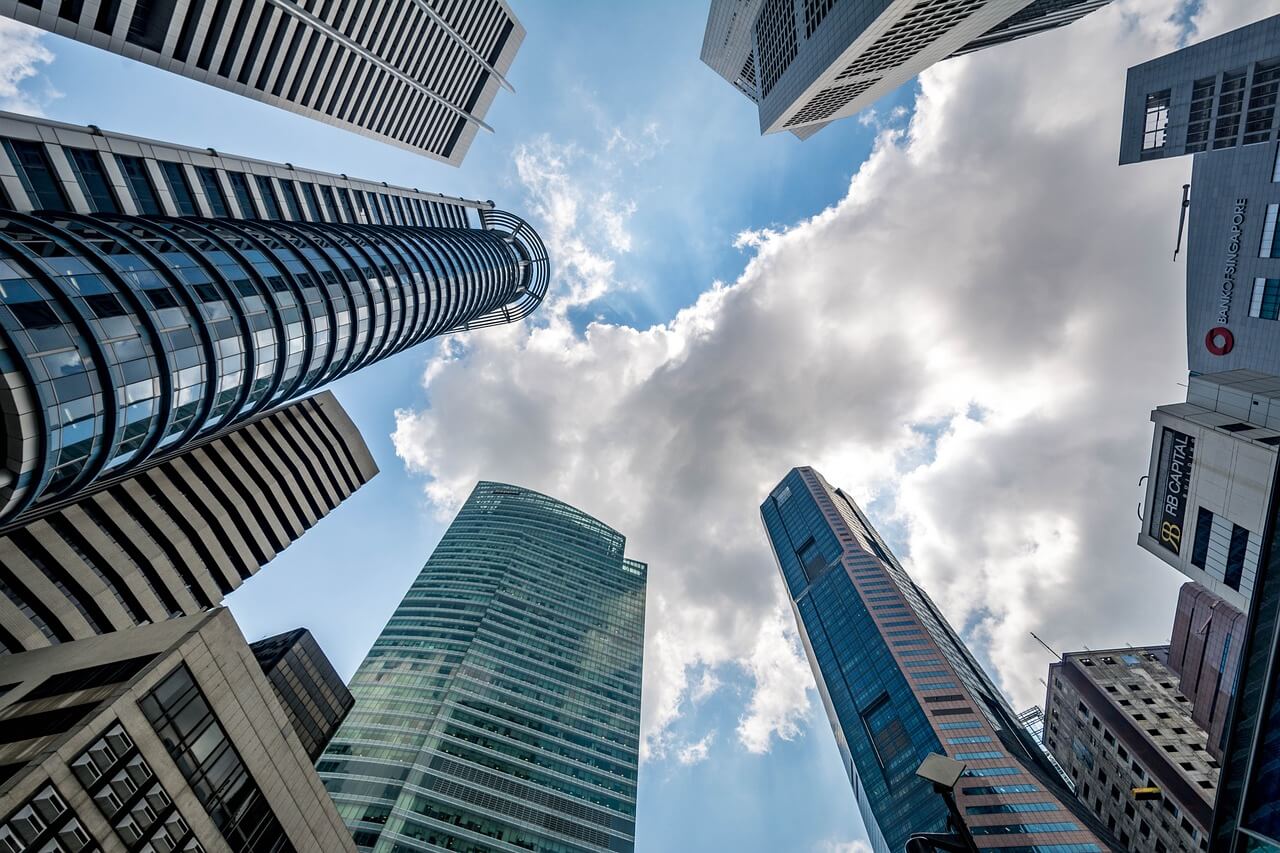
807, 64
898, 685
416, 73
166, 737
499, 710
1205, 655
1117, 723
127, 337
175, 538
309, 689
1212, 463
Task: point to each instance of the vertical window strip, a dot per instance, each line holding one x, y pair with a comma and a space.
1268, 246
1265, 303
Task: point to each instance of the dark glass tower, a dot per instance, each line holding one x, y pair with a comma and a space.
124, 339
898, 684
500, 708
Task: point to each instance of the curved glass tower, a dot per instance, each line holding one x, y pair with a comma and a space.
124, 339
499, 710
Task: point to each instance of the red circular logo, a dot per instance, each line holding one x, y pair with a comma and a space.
1219, 341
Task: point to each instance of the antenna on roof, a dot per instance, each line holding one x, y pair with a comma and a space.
1043, 643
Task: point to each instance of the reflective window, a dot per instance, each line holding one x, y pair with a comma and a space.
179, 189
244, 198
212, 190
31, 162
268, 194
144, 194
93, 180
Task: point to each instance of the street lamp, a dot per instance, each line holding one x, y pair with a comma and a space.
944, 773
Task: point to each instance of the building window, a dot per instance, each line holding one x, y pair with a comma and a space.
1268, 247
36, 174
1157, 119
1262, 102
212, 190
140, 187
179, 189
1266, 299
1235, 556
93, 180
1275, 169
269, 199
313, 202
1202, 92
1204, 527
1230, 106
199, 746
291, 200
244, 198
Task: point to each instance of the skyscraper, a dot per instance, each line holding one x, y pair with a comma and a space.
420, 74
500, 707
898, 684
126, 337
1204, 652
176, 537
165, 737
807, 64
1118, 724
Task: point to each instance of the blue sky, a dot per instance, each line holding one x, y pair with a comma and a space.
937, 325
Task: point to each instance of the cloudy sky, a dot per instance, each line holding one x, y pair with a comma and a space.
956, 306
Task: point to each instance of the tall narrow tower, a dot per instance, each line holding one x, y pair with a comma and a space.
898, 684
500, 707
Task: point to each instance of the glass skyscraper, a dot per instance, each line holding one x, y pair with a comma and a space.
150, 302
499, 710
898, 684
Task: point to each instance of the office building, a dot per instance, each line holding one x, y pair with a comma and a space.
1119, 726
420, 75
1205, 655
166, 737
1246, 817
1213, 459
309, 689
500, 707
176, 537
1216, 100
124, 338
807, 64
1215, 94
898, 684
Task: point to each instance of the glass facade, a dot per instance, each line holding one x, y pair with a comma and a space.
897, 682
126, 338
499, 710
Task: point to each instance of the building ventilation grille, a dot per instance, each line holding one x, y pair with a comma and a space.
922, 24
776, 41
829, 101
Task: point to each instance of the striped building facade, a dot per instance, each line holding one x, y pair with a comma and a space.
420, 74
499, 709
175, 538
132, 325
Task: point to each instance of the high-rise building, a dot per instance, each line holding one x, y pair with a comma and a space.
1246, 816
309, 689
1213, 460
898, 684
176, 537
1205, 655
166, 737
420, 74
1119, 726
126, 337
500, 707
805, 64
1217, 100
1215, 94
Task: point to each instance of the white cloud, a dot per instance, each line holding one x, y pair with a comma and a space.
844, 847
23, 56
696, 752
991, 257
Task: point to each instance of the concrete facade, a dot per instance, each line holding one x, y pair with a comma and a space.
1215, 94
1208, 487
88, 711
178, 536
411, 73
805, 63
1117, 723
1204, 652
